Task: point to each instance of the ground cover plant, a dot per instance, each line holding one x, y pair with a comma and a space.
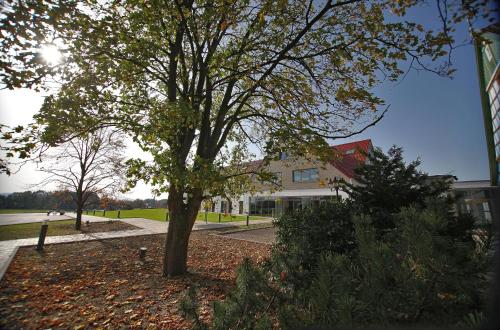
102, 284
411, 261
57, 228
419, 275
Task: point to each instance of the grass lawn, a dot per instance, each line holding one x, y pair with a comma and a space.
13, 211
159, 215
153, 214
214, 217
57, 228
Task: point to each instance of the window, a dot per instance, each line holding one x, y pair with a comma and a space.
283, 156
487, 51
223, 207
496, 122
307, 175
262, 206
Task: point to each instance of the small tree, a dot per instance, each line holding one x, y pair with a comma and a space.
387, 183
90, 165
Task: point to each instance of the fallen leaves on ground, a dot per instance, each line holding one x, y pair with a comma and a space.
103, 283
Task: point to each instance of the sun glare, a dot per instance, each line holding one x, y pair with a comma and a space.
51, 54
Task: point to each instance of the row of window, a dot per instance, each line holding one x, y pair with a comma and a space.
493, 94
306, 175
276, 207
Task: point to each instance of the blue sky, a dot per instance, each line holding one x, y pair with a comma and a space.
437, 119
434, 118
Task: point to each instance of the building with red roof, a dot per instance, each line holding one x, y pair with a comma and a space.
351, 155
298, 182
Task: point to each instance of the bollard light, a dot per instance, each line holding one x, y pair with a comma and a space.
142, 253
43, 233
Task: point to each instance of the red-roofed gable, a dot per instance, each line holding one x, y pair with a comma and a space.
350, 155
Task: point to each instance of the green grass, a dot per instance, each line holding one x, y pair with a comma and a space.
214, 217
14, 211
27, 230
159, 215
153, 214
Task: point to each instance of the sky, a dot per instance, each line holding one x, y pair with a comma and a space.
17, 107
438, 120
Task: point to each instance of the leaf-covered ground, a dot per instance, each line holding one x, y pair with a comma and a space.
103, 283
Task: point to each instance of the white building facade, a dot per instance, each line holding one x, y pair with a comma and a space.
302, 183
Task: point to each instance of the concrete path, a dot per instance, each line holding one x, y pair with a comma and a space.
262, 235
8, 249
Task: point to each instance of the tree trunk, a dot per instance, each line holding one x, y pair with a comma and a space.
181, 221
79, 209
78, 224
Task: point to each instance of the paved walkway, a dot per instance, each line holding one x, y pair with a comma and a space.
262, 235
8, 249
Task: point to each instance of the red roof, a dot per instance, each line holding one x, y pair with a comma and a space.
348, 156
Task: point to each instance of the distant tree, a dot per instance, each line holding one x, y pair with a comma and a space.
64, 199
196, 82
104, 202
385, 184
89, 165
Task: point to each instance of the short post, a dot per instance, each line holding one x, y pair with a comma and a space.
142, 253
166, 216
94, 212
206, 216
272, 213
219, 216
104, 213
118, 214
248, 219
87, 223
43, 233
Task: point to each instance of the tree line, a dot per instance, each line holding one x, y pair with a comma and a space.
66, 200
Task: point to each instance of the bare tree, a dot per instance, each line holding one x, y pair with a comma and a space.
88, 165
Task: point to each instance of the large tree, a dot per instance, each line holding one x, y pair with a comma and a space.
194, 82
